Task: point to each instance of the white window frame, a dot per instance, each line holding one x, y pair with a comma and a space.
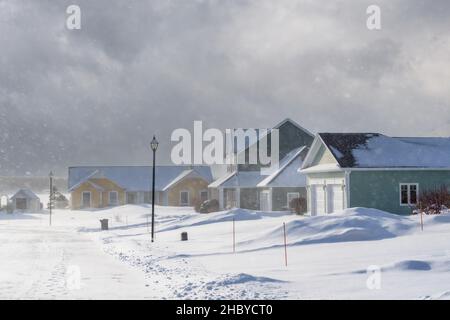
408, 186
109, 198
200, 194
188, 198
90, 199
290, 193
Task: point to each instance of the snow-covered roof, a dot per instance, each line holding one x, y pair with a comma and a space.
96, 186
241, 179
287, 174
25, 194
134, 178
374, 150
185, 174
221, 180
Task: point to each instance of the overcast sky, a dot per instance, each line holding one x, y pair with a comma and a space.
96, 95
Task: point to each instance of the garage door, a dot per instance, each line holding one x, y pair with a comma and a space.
317, 200
335, 198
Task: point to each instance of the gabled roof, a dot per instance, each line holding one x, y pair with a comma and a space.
295, 124
241, 179
25, 194
287, 174
191, 173
95, 185
374, 150
260, 134
221, 180
134, 178
341, 145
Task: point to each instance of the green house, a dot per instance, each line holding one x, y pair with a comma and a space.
373, 170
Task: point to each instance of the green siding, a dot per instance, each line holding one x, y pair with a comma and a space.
380, 189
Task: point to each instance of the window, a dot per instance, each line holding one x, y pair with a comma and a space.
86, 199
291, 196
409, 194
184, 198
203, 195
113, 198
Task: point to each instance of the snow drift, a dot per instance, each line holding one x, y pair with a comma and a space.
355, 224
217, 217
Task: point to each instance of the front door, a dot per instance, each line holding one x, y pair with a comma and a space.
264, 201
86, 200
131, 197
21, 204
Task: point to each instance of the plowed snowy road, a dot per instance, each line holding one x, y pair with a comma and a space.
43, 263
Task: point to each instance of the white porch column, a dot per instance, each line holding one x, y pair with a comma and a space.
221, 191
347, 190
270, 199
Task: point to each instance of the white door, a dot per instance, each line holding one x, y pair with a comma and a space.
317, 200
335, 198
264, 201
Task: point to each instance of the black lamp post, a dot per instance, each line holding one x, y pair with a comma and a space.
154, 145
50, 205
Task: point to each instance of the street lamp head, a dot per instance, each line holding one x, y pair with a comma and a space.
154, 144
50, 174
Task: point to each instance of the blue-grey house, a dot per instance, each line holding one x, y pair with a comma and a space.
244, 185
373, 170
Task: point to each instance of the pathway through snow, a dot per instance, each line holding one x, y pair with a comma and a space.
42, 262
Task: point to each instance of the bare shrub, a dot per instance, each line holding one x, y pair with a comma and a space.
209, 206
298, 205
433, 201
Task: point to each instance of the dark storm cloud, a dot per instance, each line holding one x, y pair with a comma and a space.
96, 95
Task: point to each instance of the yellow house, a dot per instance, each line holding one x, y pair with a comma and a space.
100, 187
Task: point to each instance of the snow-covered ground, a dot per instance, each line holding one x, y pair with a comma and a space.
328, 256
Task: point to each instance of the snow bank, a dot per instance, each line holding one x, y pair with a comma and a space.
355, 224
243, 278
217, 217
415, 265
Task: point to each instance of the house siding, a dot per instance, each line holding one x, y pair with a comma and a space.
99, 199
290, 138
380, 189
279, 197
32, 205
192, 185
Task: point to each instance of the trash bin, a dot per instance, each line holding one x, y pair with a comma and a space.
184, 236
104, 223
